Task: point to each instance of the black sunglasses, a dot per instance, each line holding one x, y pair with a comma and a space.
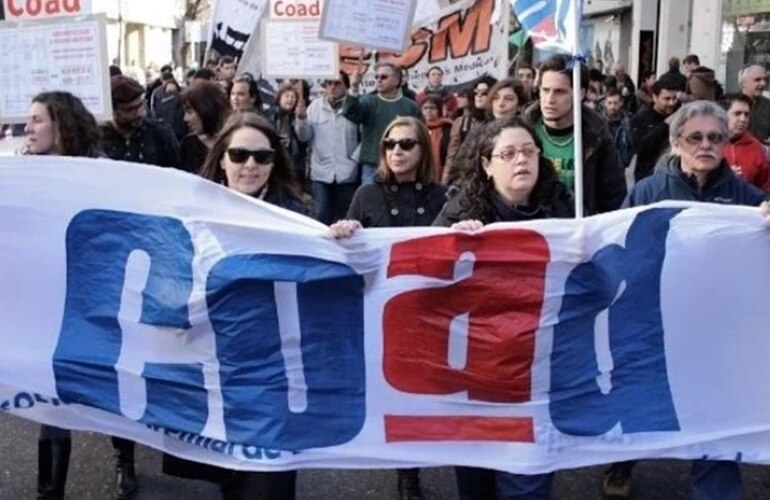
404, 144
241, 155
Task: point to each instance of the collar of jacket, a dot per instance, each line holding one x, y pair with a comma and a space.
717, 178
745, 139
592, 123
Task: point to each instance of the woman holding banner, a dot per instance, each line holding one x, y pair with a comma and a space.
404, 194
507, 180
249, 158
58, 124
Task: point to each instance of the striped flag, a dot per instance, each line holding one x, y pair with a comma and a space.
550, 22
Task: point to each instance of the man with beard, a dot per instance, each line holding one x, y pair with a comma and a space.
130, 136
619, 125
649, 127
552, 118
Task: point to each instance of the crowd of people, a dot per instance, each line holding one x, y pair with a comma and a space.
492, 151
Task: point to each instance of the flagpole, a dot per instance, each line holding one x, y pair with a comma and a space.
577, 106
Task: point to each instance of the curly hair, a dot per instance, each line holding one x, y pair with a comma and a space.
75, 129
474, 184
281, 179
286, 87
209, 102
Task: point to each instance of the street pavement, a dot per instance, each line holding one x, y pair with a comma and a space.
91, 469
91, 476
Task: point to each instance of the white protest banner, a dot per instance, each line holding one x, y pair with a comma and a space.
232, 24
68, 54
178, 314
291, 49
16, 10
375, 24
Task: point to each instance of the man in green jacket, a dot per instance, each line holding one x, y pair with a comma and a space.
374, 112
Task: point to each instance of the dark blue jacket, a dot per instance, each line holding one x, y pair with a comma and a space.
670, 183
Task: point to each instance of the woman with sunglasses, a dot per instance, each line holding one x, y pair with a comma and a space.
247, 157
404, 194
507, 180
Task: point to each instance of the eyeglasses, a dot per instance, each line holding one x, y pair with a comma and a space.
331, 83
696, 138
481, 93
261, 156
404, 144
527, 152
381, 77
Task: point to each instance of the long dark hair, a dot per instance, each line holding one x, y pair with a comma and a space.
281, 179
476, 186
76, 132
209, 102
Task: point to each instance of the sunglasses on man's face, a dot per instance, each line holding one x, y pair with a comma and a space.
404, 144
696, 138
241, 155
381, 77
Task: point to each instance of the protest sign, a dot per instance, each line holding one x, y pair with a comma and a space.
176, 313
16, 10
375, 24
291, 49
462, 39
295, 9
232, 24
56, 54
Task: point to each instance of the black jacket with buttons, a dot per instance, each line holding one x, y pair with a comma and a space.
397, 204
151, 143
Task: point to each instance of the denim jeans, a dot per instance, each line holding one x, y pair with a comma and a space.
486, 484
715, 480
332, 200
367, 173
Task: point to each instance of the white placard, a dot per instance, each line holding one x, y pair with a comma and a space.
67, 54
292, 49
376, 24
17, 10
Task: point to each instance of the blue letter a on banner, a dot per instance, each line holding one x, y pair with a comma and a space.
625, 282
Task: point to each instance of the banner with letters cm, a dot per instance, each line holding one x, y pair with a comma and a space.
153, 305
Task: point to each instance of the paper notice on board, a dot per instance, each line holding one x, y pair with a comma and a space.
291, 49
62, 55
376, 24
